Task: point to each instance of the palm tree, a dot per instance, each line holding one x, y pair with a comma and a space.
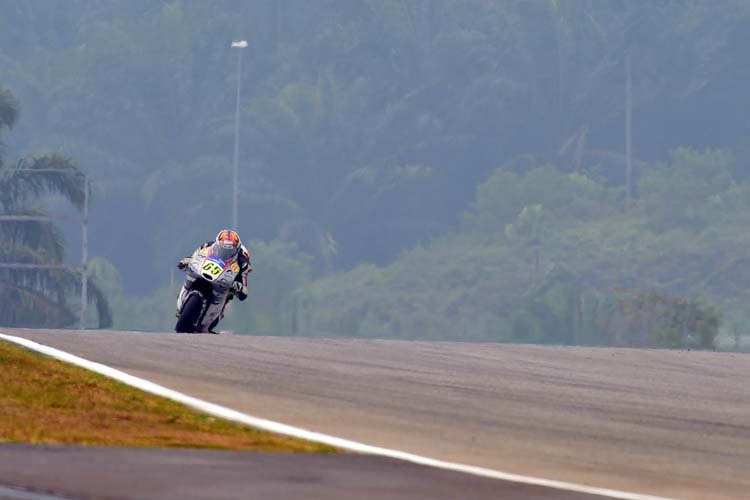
34, 296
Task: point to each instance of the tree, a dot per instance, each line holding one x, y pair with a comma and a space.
343, 97
37, 296
504, 195
9, 109
679, 193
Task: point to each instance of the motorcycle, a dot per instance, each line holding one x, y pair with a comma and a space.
209, 284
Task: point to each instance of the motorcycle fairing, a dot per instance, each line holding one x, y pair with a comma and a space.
212, 278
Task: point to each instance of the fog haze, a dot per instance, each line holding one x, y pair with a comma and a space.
453, 169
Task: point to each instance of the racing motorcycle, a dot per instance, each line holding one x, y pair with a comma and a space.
208, 285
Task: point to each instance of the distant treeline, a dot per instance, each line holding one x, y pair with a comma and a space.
409, 168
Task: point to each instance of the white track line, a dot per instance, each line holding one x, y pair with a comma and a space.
269, 425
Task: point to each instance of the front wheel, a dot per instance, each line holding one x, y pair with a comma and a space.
190, 314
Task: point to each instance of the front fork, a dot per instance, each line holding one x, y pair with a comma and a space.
183, 295
181, 299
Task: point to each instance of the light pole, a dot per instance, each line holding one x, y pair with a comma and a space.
235, 169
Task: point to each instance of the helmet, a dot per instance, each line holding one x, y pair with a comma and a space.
227, 244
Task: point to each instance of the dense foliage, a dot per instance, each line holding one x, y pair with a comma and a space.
425, 164
523, 270
29, 295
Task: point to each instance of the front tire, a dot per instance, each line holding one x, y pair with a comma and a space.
190, 314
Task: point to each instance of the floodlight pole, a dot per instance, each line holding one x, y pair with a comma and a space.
84, 251
235, 165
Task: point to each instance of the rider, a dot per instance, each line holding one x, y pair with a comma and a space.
227, 245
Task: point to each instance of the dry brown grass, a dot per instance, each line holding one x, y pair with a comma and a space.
45, 401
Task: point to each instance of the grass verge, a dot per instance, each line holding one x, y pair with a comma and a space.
45, 401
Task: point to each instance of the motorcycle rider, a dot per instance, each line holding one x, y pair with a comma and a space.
228, 246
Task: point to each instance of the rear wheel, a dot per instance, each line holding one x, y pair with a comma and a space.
190, 314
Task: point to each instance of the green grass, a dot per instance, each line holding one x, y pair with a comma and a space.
45, 401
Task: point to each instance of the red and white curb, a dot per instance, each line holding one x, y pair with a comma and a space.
279, 428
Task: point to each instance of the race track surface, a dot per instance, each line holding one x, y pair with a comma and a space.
145, 474
670, 423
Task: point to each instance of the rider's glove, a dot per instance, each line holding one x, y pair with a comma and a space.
240, 290
183, 263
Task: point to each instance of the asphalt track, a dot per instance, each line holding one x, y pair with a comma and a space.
669, 423
132, 473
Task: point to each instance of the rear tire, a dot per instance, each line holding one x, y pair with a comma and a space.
190, 314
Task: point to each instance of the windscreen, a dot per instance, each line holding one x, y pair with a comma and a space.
223, 252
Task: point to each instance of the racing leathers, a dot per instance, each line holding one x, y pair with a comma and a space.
239, 287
